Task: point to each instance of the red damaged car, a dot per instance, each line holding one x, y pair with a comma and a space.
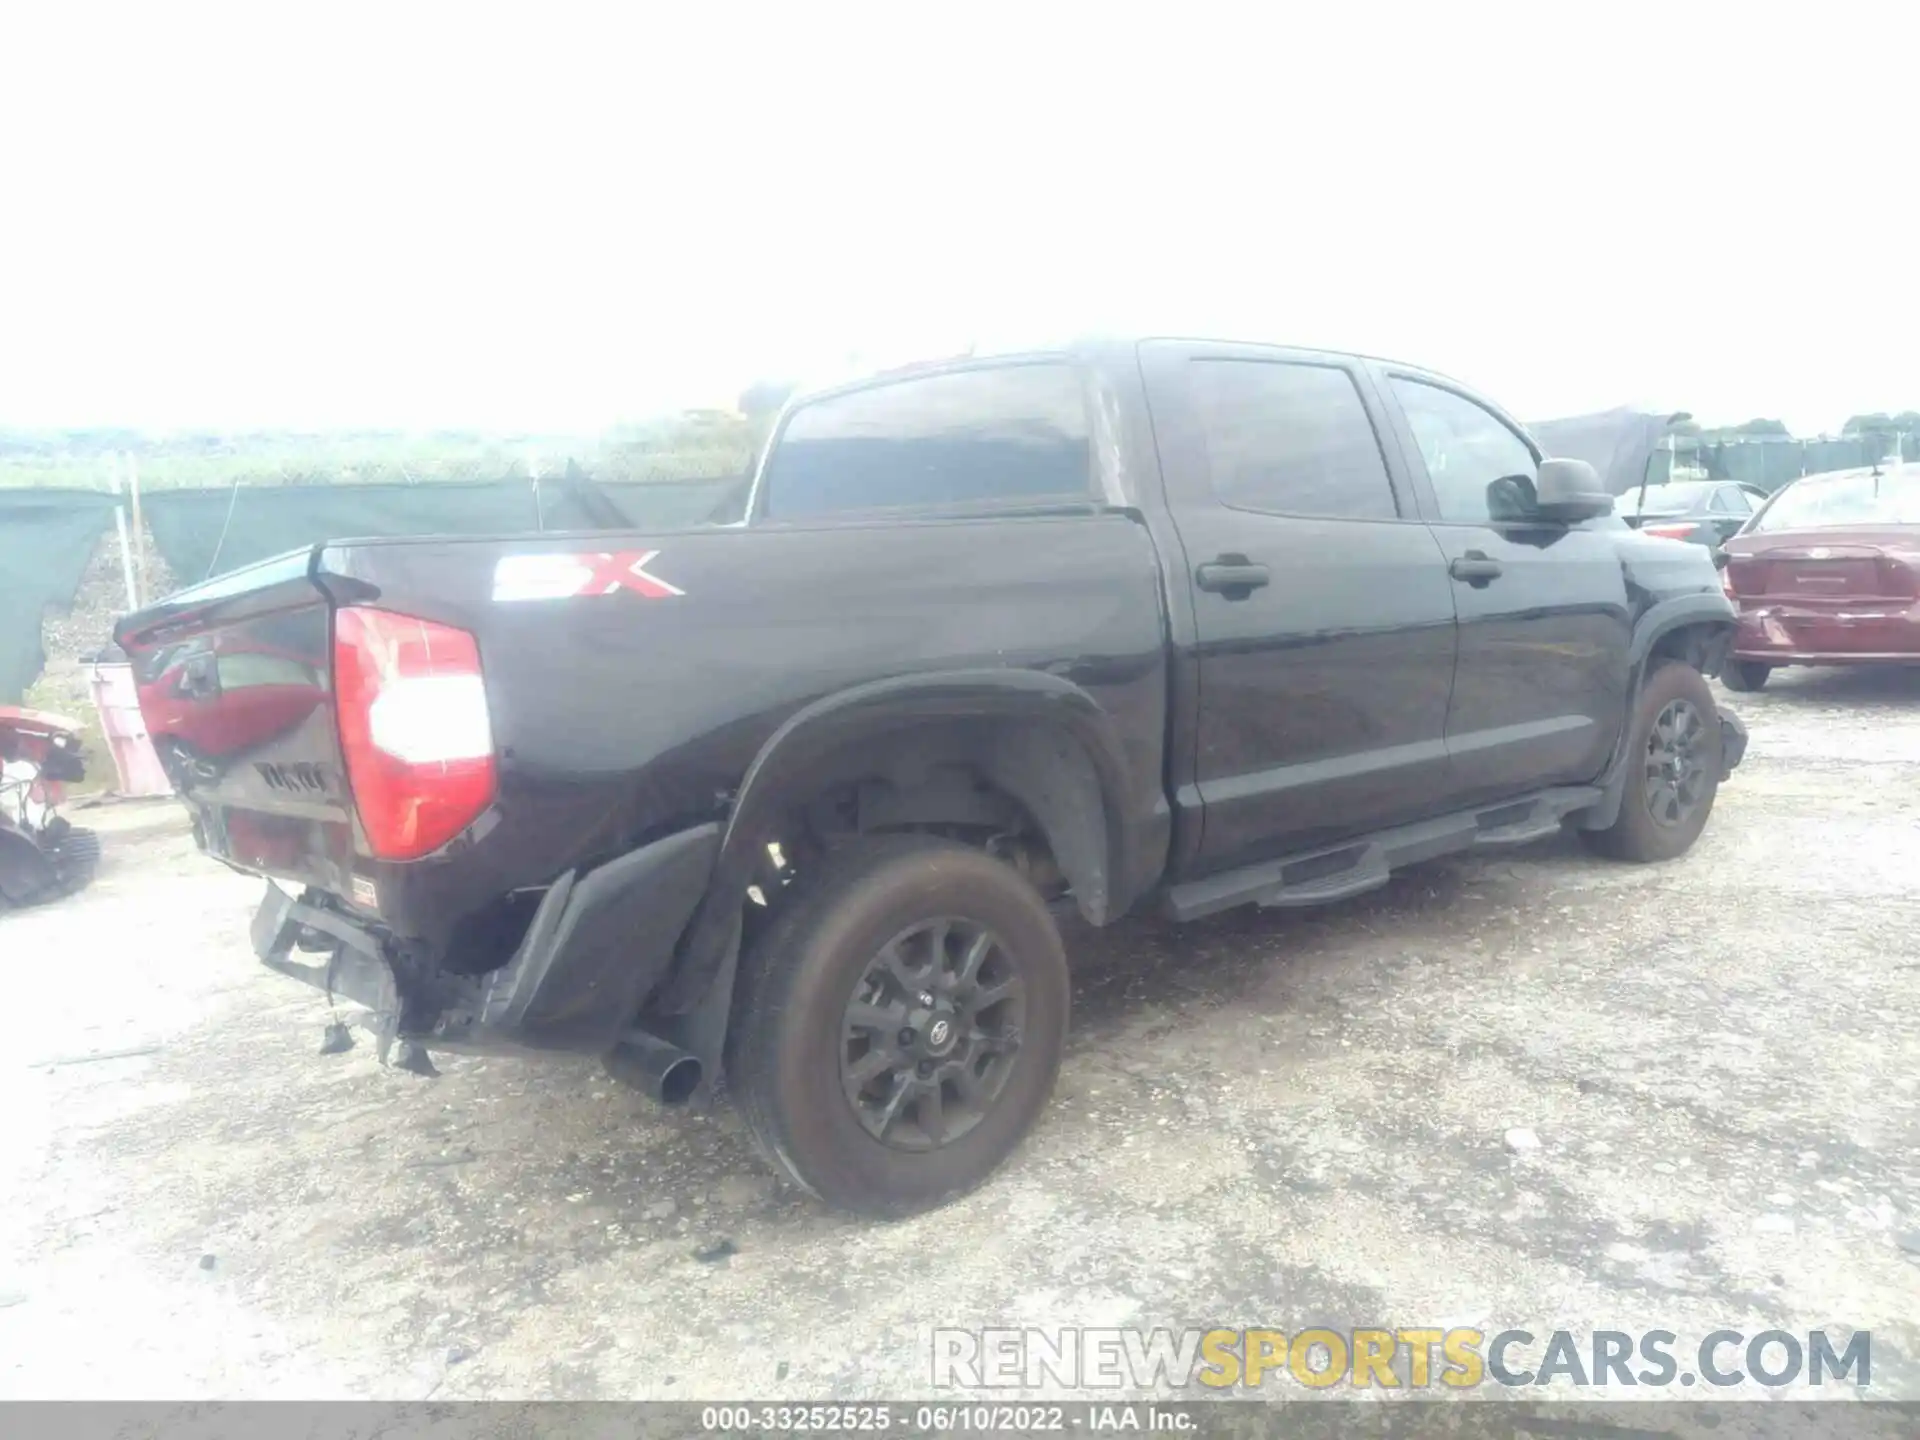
1827, 573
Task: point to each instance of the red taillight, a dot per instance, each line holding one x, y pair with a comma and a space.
1670, 532
413, 727
1899, 574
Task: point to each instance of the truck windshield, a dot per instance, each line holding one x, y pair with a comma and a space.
1851, 498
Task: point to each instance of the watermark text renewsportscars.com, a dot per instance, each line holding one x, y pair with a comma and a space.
1412, 1358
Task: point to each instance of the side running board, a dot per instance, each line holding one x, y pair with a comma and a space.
1361, 865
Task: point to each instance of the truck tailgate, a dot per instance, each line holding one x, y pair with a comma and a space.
235, 686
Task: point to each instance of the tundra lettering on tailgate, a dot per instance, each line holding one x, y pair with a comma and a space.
562, 576
299, 776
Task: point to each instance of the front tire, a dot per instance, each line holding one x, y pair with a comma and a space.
1673, 769
1744, 676
899, 1026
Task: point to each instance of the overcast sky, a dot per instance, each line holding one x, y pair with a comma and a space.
323, 215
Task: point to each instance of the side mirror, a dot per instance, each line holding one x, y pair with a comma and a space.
1570, 490
1720, 557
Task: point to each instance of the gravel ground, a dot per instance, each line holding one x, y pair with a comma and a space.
1275, 1119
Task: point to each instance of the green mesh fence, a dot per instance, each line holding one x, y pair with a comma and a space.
206, 532
203, 532
1629, 447
47, 536
46, 539
1770, 464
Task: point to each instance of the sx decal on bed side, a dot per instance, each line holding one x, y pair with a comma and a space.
564, 576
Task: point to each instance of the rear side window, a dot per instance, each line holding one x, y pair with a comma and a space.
1005, 436
1291, 439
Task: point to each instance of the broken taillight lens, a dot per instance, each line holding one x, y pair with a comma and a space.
414, 728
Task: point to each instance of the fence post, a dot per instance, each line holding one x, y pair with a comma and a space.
120, 525
139, 532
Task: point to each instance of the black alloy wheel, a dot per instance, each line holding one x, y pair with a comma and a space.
1677, 773
1673, 763
931, 1033
898, 1026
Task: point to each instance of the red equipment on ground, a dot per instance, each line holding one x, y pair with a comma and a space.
41, 853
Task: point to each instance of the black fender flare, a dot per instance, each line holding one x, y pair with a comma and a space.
1080, 799
1704, 607
1676, 612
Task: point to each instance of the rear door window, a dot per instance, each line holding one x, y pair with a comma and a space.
996, 437
1291, 439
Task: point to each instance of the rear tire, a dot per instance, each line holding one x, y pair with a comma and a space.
1744, 676
835, 989
1673, 769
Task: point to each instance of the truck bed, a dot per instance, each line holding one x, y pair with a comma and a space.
630, 680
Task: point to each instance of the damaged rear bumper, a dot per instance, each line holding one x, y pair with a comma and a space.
599, 943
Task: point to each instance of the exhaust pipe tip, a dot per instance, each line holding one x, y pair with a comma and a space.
679, 1082
664, 1073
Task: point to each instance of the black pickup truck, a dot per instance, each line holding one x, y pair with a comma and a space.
800, 792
